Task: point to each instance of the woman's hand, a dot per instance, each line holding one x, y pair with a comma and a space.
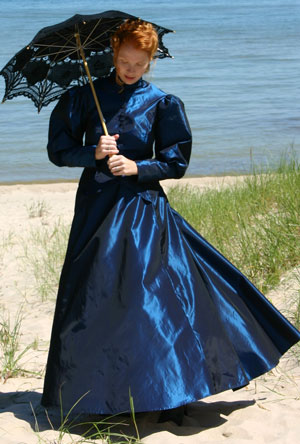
107, 146
121, 166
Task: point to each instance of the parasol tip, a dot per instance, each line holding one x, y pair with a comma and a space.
3, 100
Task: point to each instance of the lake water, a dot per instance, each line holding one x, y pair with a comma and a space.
236, 66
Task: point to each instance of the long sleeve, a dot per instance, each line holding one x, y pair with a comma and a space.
66, 131
173, 142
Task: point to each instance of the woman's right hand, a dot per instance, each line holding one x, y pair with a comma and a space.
107, 146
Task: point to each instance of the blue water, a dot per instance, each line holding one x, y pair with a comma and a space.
236, 66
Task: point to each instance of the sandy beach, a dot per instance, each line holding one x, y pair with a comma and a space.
266, 411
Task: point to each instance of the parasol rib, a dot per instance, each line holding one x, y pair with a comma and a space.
57, 45
77, 36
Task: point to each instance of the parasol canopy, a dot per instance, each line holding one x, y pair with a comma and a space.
71, 53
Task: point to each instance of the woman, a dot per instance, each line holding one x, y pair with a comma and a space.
145, 303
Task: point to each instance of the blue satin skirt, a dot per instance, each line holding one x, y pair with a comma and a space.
146, 304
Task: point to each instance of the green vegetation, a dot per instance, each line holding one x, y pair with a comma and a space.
297, 314
256, 224
108, 429
10, 355
5, 244
296, 310
37, 209
45, 255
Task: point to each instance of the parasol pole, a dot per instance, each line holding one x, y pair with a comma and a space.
77, 36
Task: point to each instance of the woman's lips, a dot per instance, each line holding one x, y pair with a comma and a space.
129, 78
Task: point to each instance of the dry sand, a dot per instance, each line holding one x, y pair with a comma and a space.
267, 411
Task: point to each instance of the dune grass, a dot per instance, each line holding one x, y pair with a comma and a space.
79, 430
37, 209
44, 254
109, 430
11, 355
296, 311
256, 224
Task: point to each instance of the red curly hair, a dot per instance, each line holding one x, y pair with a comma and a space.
137, 32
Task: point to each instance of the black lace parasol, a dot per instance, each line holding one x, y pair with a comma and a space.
70, 53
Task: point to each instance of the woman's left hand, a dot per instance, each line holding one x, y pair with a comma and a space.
121, 166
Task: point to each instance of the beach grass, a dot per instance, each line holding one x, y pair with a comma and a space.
255, 224
296, 311
80, 429
11, 355
44, 254
37, 209
109, 430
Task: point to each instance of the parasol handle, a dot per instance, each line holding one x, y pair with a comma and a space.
77, 36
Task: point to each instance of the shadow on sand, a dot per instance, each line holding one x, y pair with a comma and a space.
200, 416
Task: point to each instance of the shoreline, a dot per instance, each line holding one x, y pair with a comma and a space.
187, 179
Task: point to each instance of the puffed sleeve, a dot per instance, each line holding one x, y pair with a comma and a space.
66, 130
173, 143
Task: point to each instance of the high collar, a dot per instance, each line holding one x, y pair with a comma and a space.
141, 83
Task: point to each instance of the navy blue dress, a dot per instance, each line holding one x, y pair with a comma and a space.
144, 302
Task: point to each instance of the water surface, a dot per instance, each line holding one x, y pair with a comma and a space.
236, 67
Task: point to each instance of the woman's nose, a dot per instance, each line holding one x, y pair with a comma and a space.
130, 69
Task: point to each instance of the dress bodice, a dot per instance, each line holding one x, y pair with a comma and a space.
152, 125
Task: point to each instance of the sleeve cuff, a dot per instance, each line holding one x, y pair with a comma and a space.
145, 172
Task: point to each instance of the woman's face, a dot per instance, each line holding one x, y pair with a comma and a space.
131, 63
